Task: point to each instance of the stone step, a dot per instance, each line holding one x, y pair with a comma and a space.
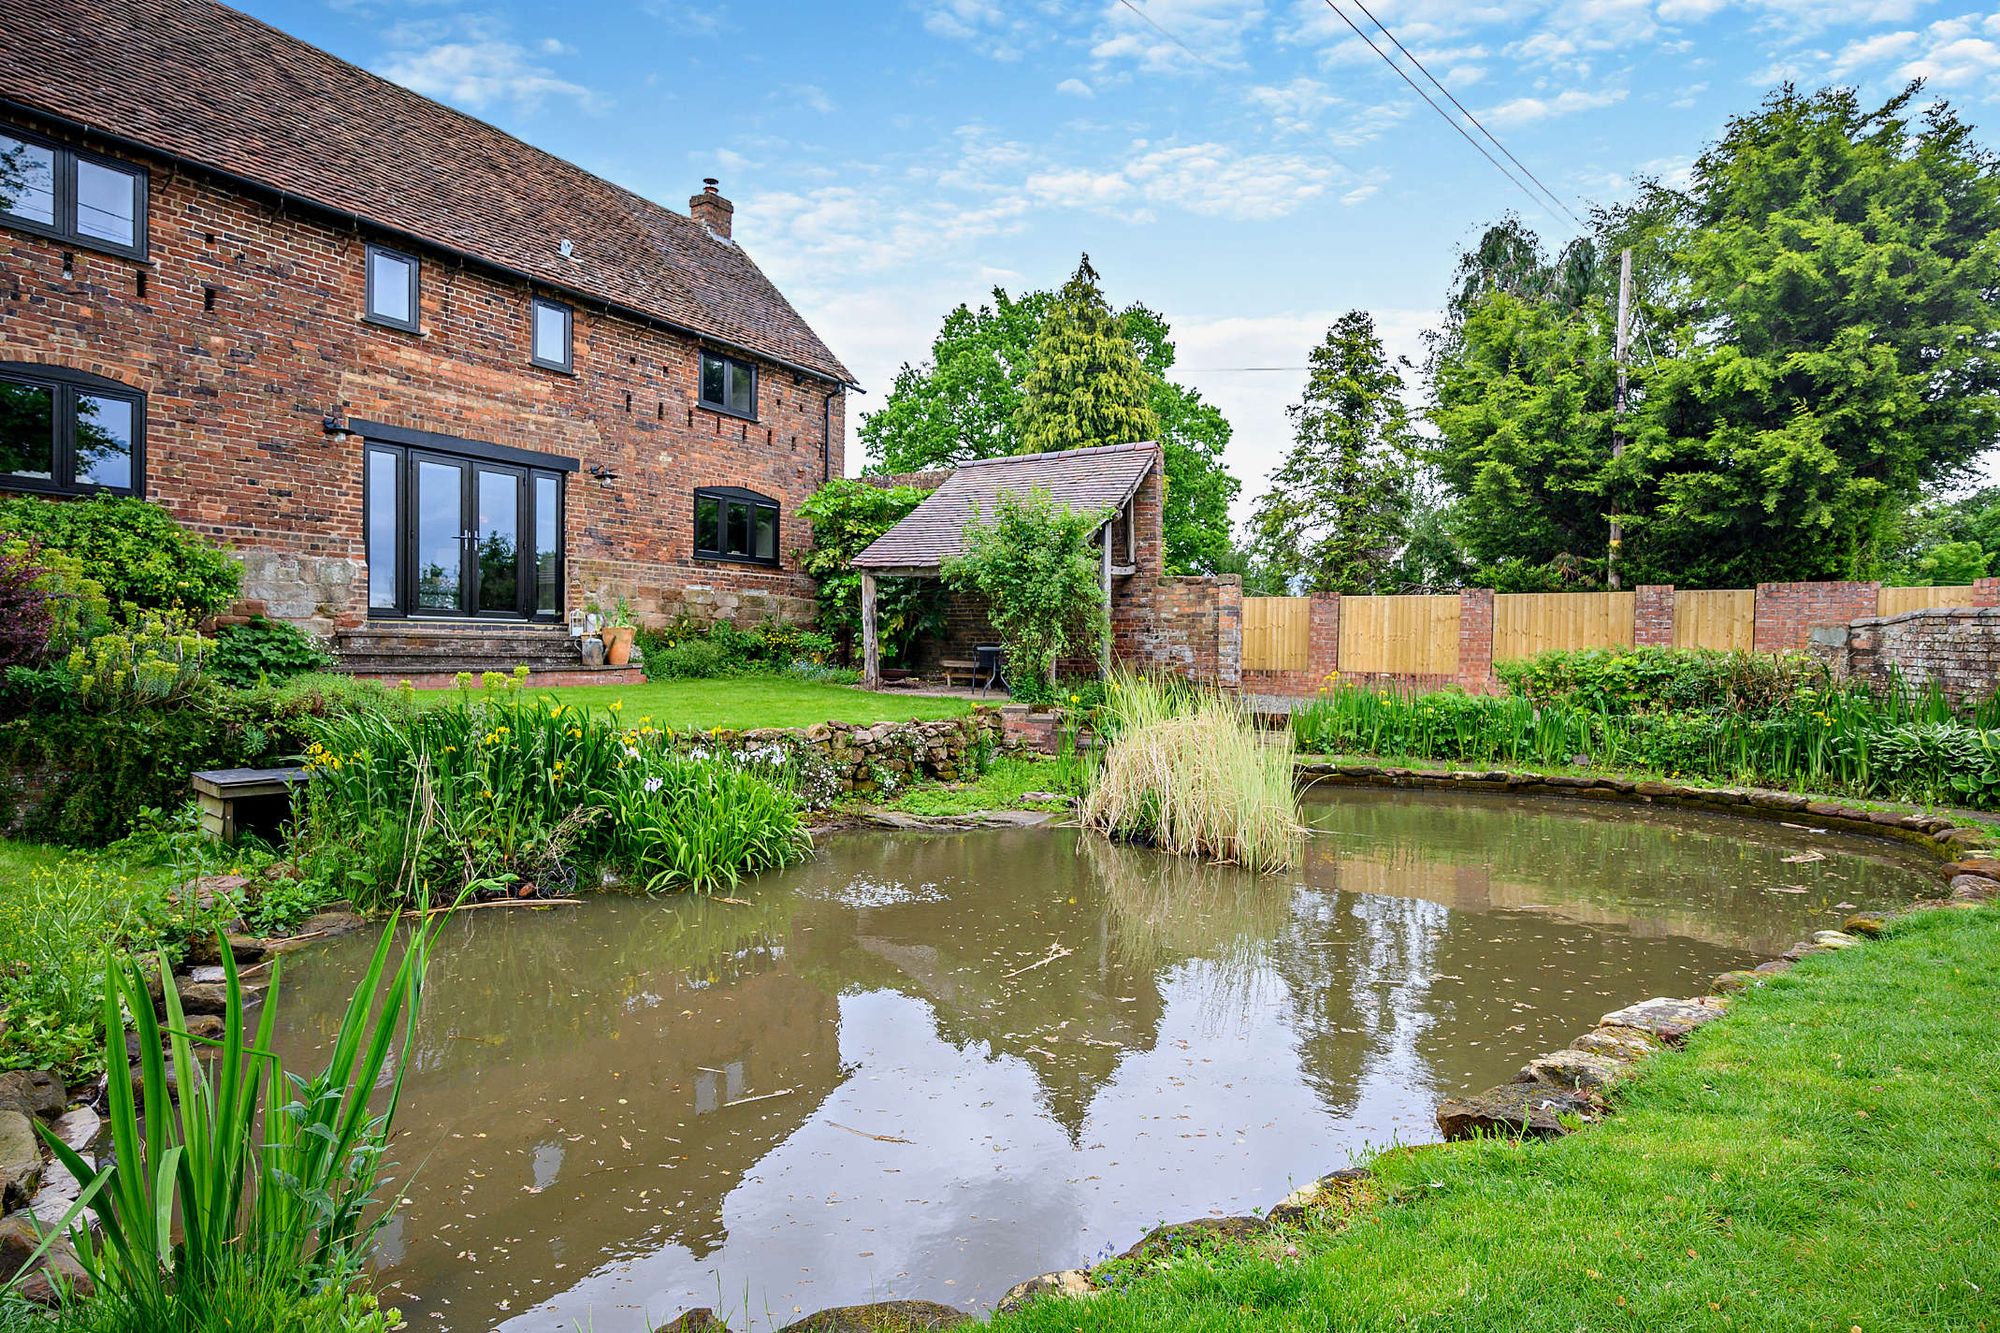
388, 650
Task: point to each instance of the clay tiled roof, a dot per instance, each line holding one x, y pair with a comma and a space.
215, 87
1103, 477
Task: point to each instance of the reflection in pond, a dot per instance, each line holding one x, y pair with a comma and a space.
933, 1065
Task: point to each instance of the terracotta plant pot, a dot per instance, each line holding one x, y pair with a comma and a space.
618, 644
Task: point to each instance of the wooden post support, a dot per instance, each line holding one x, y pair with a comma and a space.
871, 648
1104, 646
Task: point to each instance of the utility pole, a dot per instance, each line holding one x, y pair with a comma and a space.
1620, 347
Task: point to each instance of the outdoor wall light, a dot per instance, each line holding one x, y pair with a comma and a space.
337, 428
605, 476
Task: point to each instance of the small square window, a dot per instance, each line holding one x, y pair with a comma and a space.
728, 385
552, 334
107, 203
393, 297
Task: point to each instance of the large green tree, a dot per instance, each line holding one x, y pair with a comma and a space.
1818, 340
964, 403
1086, 386
1337, 511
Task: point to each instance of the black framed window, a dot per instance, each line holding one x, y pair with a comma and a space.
96, 202
552, 322
728, 385
67, 432
735, 524
393, 295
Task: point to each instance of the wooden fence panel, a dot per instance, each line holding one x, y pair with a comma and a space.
1404, 635
1277, 633
1722, 618
1526, 623
1895, 601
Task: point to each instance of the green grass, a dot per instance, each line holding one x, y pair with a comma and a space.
1826, 1158
738, 703
1001, 787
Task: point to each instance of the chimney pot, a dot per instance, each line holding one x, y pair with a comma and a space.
710, 209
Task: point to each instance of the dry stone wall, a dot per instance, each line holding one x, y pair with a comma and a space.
1956, 648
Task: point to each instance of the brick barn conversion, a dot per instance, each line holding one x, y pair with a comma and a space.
435, 386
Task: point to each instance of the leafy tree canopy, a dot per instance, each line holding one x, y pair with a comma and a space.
846, 516
1816, 341
1086, 386
965, 403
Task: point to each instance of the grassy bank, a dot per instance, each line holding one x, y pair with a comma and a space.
1827, 1157
737, 703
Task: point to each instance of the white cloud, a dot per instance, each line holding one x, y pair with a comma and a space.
1528, 110
1869, 51
984, 26
1075, 88
811, 96
472, 64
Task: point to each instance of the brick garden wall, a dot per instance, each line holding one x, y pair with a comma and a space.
248, 333
1787, 613
1957, 648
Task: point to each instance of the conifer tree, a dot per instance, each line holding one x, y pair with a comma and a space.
1088, 386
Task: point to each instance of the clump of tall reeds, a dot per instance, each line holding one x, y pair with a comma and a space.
1188, 772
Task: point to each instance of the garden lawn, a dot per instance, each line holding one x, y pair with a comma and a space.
738, 703
1827, 1157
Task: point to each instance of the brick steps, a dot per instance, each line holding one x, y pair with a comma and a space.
433, 650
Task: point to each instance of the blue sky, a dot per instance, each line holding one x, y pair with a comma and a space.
1247, 167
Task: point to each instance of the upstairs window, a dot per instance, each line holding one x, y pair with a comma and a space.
734, 524
67, 432
728, 385
93, 201
392, 288
552, 334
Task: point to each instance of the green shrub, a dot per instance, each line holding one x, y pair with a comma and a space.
143, 559
1647, 680
846, 515
154, 661
692, 649
263, 650
1030, 561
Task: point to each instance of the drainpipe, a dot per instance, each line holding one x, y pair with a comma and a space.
826, 436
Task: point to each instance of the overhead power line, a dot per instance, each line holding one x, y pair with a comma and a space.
1219, 68
1432, 103
1463, 110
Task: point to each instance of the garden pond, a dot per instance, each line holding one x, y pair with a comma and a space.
932, 1065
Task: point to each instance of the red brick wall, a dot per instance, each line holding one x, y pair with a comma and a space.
1475, 639
1653, 616
1322, 654
1787, 613
236, 395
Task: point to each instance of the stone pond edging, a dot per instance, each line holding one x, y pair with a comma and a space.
835, 759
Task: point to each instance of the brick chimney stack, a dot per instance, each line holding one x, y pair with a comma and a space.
710, 209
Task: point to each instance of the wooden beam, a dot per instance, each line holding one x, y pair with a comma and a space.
1104, 647
871, 649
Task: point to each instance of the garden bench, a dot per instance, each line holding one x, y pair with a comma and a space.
958, 666
232, 799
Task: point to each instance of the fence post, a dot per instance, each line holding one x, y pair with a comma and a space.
1475, 639
1986, 592
1653, 615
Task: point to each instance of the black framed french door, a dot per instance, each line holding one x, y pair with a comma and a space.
461, 537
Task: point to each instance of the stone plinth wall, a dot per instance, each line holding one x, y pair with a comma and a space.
1957, 648
833, 759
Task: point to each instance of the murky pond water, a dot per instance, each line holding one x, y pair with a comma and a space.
932, 1065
